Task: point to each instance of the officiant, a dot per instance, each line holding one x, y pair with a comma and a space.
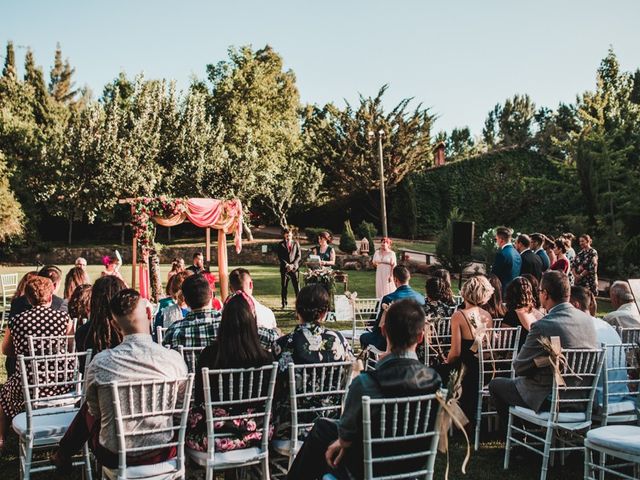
324, 250
289, 256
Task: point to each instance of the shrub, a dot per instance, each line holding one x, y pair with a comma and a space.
347, 239
312, 233
367, 230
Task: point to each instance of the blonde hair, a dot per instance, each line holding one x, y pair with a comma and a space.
477, 290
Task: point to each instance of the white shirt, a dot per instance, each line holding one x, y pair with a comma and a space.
626, 316
264, 315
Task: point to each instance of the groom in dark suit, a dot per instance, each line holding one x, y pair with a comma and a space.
289, 256
507, 264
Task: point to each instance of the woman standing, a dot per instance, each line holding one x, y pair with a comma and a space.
384, 260
585, 266
562, 262
112, 266
325, 251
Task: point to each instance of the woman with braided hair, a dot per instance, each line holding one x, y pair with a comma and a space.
101, 331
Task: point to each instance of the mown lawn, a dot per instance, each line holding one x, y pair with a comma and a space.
484, 464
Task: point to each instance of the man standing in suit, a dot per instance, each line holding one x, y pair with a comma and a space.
537, 241
289, 256
506, 266
532, 384
531, 263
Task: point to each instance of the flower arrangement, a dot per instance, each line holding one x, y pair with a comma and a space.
144, 209
324, 276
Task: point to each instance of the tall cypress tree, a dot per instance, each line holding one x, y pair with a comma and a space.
9, 70
61, 83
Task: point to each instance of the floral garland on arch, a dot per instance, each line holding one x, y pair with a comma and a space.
143, 210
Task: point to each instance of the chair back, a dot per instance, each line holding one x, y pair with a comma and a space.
497, 322
51, 381
51, 344
620, 383
8, 286
316, 391
629, 335
437, 340
372, 358
366, 309
190, 356
242, 394
160, 334
400, 437
497, 348
153, 410
580, 374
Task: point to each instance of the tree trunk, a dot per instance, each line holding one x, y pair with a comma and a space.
122, 232
70, 232
169, 234
247, 231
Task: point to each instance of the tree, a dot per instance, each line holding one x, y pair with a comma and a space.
61, 84
9, 70
11, 215
459, 144
347, 239
510, 124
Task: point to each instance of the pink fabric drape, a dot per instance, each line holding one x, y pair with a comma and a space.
143, 276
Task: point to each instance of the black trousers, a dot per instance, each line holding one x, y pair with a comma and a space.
284, 283
310, 462
505, 394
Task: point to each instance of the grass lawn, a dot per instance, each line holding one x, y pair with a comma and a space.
484, 464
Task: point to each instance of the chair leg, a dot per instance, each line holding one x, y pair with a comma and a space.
507, 448
87, 462
476, 442
545, 456
27, 457
587, 458
265, 468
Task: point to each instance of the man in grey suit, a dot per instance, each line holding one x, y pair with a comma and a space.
532, 385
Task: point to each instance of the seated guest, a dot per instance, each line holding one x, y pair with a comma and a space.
240, 279
401, 278
581, 298
138, 357
53, 273
336, 447
521, 308
200, 326
198, 263
237, 346
80, 262
507, 263
466, 324
310, 341
22, 284
535, 290
80, 304
436, 304
447, 293
626, 313
173, 307
494, 305
562, 262
532, 385
41, 320
537, 245
76, 276
101, 332
177, 266
531, 263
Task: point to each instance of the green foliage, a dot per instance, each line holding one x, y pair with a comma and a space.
312, 233
444, 245
631, 252
347, 239
488, 245
367, 230
11, 215
510, 124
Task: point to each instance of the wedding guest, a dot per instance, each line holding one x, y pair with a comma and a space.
198, 263
175, 307
75, 277
40, 320
494, 305
324, 250
521, 307
466, 324
537, 244
569, 238
101, 332
531, 263
80, 263
507, 263
401, 278
535, 290
22, 284
562, 262
447, 293
336, 447
112, 266
53, 273
236, 346
625, 312
585, 265
288, 251
384, 260
240, 279
436, 305
177, 266
548, 246
136, 358
80, 304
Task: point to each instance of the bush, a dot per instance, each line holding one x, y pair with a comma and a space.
347, 239
312, 233
367, 230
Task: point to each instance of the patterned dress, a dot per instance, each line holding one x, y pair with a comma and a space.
587, 260
39, 321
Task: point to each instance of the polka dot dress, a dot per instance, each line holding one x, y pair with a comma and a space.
38, 321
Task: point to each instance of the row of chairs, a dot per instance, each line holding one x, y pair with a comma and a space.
8, 286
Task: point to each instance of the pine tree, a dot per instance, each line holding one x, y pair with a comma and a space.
9, 70
61, 83
348, 239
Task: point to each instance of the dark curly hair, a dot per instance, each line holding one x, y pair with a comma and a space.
312, 303
80, 303
520, 294
535, 287
103, 329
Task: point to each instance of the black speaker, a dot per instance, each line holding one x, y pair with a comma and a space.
462, 237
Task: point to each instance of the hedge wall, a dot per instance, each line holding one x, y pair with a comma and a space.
518, 188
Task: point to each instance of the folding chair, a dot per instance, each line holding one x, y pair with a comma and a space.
400, 432
160, 334
580, 375
629, 335
250, 387
497, 348
190, 356
51, 345
8, 285
48, 413
365, 312
437, 340
158, 409
617, 392
315, 391
619, 442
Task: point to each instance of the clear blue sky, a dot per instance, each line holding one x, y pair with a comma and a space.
457, 57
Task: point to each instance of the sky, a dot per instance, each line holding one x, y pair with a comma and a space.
458, 58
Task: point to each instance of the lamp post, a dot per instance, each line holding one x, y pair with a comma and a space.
383, 202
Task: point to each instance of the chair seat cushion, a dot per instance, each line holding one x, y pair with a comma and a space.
48, 423
159, 471
620, 407
622, 438
283, 446
227, 459
575, 419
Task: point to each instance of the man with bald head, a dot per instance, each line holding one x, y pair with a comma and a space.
626, 311
137, 358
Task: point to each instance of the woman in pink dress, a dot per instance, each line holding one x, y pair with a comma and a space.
384, 260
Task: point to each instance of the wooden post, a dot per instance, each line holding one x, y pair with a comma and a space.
134, 261
208, 244
223, 267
